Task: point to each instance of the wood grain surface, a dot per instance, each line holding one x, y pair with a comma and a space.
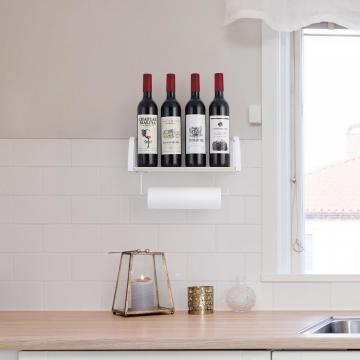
22, 330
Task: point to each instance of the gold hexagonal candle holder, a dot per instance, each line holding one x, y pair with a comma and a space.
142, 285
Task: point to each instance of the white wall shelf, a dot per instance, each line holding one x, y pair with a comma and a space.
235, 162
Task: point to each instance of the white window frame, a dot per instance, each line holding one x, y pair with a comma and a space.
282, 259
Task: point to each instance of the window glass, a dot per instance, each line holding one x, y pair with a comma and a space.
331, 151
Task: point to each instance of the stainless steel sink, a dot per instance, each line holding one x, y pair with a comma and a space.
334, 326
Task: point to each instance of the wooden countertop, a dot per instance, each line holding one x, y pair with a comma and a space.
23, 330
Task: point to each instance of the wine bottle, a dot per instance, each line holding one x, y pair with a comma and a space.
219, 126
170, 126
195, 126
147, 126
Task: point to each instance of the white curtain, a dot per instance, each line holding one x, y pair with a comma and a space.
291, 15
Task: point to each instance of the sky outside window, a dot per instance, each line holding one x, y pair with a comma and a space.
331, 95
331, 157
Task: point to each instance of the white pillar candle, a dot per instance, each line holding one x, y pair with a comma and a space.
142, 294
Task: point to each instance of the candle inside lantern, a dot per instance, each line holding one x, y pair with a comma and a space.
142, 294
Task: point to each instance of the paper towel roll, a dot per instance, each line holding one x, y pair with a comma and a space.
184, 198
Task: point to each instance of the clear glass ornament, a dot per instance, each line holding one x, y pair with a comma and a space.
241, 298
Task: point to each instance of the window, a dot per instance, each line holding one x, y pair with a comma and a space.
311, 153
331, 151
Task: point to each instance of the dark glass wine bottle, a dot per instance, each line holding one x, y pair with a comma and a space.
147, 126
195, 126
219, 126
170, 126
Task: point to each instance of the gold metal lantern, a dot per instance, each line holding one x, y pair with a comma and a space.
142, 285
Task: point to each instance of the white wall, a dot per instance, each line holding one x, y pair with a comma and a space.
73, 68
64, 204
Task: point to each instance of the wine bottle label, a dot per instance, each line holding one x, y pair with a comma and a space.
195, 134
170, 135
219, 134
147, 134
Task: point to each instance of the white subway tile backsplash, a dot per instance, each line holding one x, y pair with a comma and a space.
119, 181
72, 295
107, 295
5, 152
177, 180
128, 237
253, 267
238, 238
64, 204
220, 291
100, 209
6, 267
253, 210
218, 267
187, 238
71, 238
177, 266
36, 267
41, 152
179, 291
247, 182
302, 296
6, 181
20, 238
70, 181
99, 267
94, 152
264, 295
21, 296
230, 267
345, 296
20, 180
232, 212
41, 209
6, 209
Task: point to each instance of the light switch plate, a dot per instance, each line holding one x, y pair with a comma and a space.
255, 115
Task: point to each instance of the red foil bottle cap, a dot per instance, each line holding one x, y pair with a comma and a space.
147, 82
195, 82
170, 82
219, 82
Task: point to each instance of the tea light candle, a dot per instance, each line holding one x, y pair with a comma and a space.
142, 294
